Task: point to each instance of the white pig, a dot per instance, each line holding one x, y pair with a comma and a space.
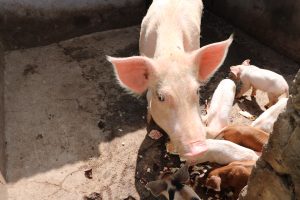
220, 107
170, 68
224, 152
267, 119
265, 80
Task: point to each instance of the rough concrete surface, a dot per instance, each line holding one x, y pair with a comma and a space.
279, 165
65, 114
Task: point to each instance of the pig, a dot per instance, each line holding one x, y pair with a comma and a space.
267, 119
234, 175
220, 107
246, 136
170, 68
224, 152
265, 80
173, 187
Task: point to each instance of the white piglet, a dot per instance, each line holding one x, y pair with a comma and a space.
224, 152
220, 107
265, 80
267, 119
170, 69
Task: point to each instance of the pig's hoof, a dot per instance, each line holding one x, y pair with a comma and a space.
239, 97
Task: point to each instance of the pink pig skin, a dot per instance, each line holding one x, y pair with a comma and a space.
220, 107
224, 152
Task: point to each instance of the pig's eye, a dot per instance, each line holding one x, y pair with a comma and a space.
198, 91
160, 97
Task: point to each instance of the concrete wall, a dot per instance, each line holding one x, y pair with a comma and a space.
2, 136
275, 23
27, 23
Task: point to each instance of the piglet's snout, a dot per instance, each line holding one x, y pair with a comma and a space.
195, 149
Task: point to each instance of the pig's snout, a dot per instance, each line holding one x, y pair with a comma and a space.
194, 150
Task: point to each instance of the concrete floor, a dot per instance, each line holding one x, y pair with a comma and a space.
65, 114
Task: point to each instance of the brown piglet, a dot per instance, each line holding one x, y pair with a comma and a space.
246, 136
234, 175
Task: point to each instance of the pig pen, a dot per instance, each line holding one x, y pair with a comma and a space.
71, 132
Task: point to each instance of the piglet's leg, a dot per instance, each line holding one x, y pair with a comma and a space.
245, 87
272, 100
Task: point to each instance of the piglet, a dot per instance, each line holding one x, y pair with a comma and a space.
267, 119
265, 80
246, 136
220, 107
173, 186
224, 152
235, 175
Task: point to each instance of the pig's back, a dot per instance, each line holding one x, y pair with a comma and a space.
167, 19
265, 80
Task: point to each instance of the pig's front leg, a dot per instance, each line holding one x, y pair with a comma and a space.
245, 87
204, 119
149, 117
253, 94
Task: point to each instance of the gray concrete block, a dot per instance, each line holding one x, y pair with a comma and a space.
29, 23
275, 23
2, 136
3, 191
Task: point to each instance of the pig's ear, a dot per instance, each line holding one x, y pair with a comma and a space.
157, 187
182, 175
132, 72
235, 70
246, 62
210, 57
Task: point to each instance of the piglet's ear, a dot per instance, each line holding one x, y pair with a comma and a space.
235, 70
132, 72
210, 57
182, 175
157, 187
246, 62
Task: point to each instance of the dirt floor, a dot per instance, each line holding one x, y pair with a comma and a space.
73, 133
